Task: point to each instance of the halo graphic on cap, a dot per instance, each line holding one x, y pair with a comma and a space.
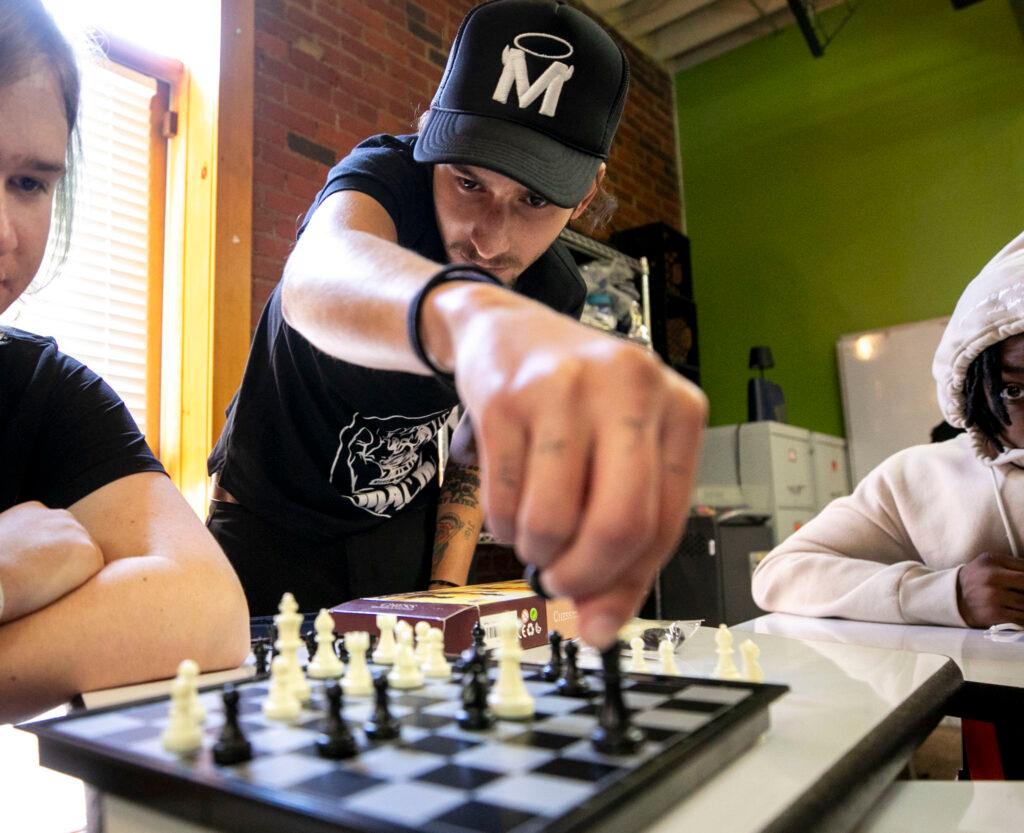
529, 51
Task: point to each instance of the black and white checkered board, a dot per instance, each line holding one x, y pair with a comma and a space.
519, 777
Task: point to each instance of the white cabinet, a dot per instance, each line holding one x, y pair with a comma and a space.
772, 467
831, 469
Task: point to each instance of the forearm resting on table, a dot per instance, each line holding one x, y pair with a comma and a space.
133, 621
459, 518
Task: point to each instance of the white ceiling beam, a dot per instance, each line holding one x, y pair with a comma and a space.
707, 25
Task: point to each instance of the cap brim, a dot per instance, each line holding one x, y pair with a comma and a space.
558, 173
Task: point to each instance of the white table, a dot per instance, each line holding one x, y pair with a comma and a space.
838, 738
950, 807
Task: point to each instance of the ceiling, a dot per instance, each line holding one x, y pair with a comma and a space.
681, 33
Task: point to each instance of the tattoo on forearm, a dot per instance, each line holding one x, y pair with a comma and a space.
448, 526
461, 486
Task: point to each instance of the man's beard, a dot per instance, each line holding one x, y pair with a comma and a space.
466, 252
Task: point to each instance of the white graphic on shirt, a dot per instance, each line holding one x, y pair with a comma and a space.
382, 463
550, 83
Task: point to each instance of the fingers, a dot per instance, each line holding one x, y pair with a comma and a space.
600, 617
502, 443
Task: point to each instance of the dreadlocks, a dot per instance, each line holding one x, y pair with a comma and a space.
984, 406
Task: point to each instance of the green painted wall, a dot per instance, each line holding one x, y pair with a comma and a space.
859, 190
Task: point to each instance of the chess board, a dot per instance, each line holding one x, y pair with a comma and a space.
518, 777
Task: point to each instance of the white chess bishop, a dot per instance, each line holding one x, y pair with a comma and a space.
726, 668
325, 665
509, 697
184, 734
384, 653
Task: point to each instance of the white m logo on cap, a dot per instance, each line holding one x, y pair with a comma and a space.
550, 82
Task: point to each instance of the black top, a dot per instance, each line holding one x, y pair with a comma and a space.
63, 432
328, 448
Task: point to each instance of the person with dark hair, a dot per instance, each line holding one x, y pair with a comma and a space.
106, 575
427, 274
932, 535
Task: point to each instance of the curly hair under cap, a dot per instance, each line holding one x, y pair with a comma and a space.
983, 406
28, 37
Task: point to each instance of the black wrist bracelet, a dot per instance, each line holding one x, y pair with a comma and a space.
451, 272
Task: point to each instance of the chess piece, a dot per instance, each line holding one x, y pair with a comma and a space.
309, 637
335, 741
476, 653
340, 649
384, 653
667, 653
475, 715
272, 639
183, 735
382, 726
281, 703
358, 681
422, 642
572, 683
325, 664
406, 672
188, 670
509, 698
436, 667
726, 668
637, 660
289, 622
260, 649
231, 746
751, 667
614, 734
553, 670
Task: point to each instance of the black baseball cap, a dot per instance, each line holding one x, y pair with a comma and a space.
534, 90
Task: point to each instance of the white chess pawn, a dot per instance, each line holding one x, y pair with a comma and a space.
401, 626
325, 665
509, 697
188, 670
406, 673
436, 666
637, 660
422, 630
357, 682
384, 653
751, 667
726, 668
183, 735
281, 703
667, 653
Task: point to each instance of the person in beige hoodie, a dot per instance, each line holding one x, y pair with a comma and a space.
932, 535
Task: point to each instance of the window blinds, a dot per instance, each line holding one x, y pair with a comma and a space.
96, 307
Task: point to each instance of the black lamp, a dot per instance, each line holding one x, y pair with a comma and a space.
764, 398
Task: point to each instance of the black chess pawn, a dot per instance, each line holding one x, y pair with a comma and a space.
272, 639
573, 683
382, 726
335, 739
475, 654
231, 746
553, 670
339, 648
309, 637
475, 715
260, 649
614, 733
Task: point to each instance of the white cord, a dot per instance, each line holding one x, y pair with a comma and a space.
1002, 513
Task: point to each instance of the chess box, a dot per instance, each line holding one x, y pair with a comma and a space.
456, 609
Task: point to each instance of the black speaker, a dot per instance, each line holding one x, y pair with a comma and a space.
708, 576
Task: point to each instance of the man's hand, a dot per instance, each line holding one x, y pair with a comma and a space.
44, 554
588, 448
990, 590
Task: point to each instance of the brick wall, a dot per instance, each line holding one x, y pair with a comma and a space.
329, 73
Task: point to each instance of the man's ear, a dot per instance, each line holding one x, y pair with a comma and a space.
598, 179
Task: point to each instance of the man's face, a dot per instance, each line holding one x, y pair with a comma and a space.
33, 138
492, 221
1012, 355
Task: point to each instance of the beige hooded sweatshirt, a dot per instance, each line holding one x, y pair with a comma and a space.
892, 550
